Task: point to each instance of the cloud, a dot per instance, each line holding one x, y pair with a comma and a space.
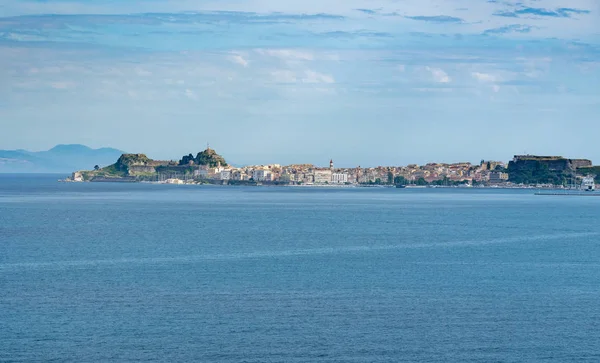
439, 75
487, 79
238, 59
307, 76
359, 34
483, 77
315, 77
557, 13
156, 27
437, 19
514, 28
401, 67
287, 54
367, 11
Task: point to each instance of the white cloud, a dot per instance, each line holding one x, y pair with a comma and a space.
238, 59
315, 77
439, 75
307, 76
496, 88
483, 77
287, 54
401, 67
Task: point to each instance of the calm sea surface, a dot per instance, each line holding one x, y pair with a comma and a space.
134, 272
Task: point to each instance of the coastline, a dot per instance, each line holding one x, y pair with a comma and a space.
559, 190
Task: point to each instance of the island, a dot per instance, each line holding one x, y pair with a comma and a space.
208, 167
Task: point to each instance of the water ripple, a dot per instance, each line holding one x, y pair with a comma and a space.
285, 253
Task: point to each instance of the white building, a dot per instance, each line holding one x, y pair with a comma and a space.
225, 175
260, 175
323, 176
339, 178
77, 177
201, 173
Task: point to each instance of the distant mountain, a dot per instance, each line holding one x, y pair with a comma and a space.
59, 159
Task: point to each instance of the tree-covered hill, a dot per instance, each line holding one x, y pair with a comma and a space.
208, 157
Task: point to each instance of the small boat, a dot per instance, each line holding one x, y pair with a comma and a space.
400, 186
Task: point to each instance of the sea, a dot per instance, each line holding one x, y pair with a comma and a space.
109, 272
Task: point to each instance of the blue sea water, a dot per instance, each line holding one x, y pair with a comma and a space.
138, 272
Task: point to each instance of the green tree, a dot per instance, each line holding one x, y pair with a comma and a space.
390, 177
535, 173
186, 159
421, 181
400, 180
96, 167
210, 157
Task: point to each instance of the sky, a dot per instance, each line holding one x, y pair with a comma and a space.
365, 82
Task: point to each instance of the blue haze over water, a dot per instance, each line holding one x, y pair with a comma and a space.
135, 272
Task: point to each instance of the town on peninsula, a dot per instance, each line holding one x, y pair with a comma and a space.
208, 167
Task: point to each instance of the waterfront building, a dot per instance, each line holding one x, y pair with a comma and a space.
261, 175
322, 176
339, 178
285, 178
236, 174
497, 177
225, 175
201, 173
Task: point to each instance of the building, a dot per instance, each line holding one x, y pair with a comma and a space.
77, 177
490, 165
322, 176
498, 177
339, 178
201, 173
225, 175
237, 175
261, 175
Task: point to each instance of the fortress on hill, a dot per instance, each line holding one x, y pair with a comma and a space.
553, 163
